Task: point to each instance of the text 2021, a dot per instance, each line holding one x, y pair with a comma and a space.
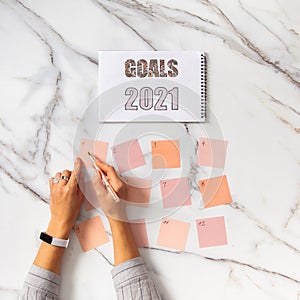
146, 98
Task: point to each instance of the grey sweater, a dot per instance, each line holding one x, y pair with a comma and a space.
131, 281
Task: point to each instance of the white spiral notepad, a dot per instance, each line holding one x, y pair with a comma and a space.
152, 86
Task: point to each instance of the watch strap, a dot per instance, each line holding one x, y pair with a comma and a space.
54, 241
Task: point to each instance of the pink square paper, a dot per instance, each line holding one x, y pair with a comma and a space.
173, 234
212, 153
139, 232
91, 233
90, 200
139, 190
211, 232
99, 149
175, 192
128, 155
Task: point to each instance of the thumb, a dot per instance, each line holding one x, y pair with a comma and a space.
109, 170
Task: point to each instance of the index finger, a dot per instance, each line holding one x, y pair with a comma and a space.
75, 173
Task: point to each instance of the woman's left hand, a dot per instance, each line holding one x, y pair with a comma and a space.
65, 201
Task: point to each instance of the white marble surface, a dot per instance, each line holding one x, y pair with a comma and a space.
48, 75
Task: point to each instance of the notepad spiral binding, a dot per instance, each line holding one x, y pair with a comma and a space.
203, 86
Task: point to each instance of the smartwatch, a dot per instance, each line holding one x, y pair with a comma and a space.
54, 241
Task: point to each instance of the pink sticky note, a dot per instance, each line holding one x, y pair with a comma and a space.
139, 190
87, 205
139, 232
99, 149
91, 233
211, 232
128, 155
90, 201
212, 152
173, 233
175, 192
215, 191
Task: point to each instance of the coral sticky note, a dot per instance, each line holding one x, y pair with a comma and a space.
139, 232
139, 190
175, 192
91, 201
215, 191
165, 154
98, 148
173, 234
91, 233
211, 232
212, 152
128, 155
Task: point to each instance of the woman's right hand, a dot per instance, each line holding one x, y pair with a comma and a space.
113, 210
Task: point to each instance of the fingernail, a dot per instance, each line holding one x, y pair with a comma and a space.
77, 160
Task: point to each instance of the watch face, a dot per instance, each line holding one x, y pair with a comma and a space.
46, 238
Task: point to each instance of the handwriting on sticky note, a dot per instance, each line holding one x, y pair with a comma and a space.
211, 232
91, 233
98, 148
175, 192
201, 223
215, 191
165, 154
212, 152
128, 155
139, 232
138, 190
173, 234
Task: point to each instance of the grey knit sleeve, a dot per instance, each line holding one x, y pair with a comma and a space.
40, 284
132, 281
